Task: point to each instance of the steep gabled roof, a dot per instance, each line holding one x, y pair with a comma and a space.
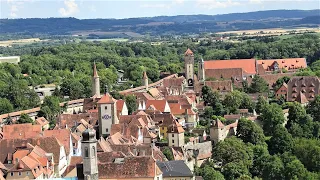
106, 99
188, 52
248, 65
301, 98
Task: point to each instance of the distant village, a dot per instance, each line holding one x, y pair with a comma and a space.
97, 138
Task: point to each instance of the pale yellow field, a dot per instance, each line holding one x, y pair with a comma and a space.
275, 31
19, 41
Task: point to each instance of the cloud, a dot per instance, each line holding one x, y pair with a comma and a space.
15, 6
255, 1
71, 7
212, 4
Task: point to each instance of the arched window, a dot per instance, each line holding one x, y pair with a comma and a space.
86, 152
93, 151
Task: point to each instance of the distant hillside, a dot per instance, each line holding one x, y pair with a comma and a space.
163, 24
283, 14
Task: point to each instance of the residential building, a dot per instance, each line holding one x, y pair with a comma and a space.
302, 88
219, 131
291, 64
175, 135
282, 91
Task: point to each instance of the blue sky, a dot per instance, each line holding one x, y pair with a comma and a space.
85, 9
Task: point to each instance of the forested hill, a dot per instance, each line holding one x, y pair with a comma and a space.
283, 14
164, 24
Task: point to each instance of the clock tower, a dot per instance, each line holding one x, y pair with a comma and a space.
107, 114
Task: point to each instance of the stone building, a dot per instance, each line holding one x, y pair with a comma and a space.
189, 67
89, 156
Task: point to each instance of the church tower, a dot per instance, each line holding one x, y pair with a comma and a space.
201, 74
95, 83
188, 66
107, 114
145, 80
89, 155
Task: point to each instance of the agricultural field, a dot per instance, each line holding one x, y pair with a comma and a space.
271, 32
9, 43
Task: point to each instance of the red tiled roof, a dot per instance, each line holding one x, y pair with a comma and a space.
292, 63
248, 65
15, 131
42, 121
177, 110
63, 135
106, 99
158, 104
175, 127
120, 104
301, 98
188, 51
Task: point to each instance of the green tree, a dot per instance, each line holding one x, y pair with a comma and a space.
168, 153
259, 85
281, 141
308, 152
280, 81
208, 173
234, 170
248, 131
273, 168
232, 101
260, 157
131, 103
271, 116
262, 102
246, 102
314, 108
5, 106
232, 150
24, 118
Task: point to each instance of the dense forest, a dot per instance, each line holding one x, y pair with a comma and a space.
163, 24
70, 65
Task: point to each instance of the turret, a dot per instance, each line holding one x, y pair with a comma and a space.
89, 155
201, 72
95, 83
145, 80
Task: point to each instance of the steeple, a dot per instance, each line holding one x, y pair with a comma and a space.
145, 80
89, 155
95, 82
189, 67
201, 73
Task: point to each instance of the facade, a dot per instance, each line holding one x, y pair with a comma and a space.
107, 114
175, 135
201, 71
189, 67
282, 91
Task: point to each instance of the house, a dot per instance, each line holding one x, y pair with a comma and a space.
291, 64
175, 170
200, 133
163, 121
43, 122
220, 86
175, 86
48, 144
303, 88
188, 114
175, 135
219, 131
282, 91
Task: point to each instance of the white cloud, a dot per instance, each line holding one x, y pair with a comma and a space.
212, 4
255, 1
71, 7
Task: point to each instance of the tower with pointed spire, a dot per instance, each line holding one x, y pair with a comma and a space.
201, 74
145, 80
95, 82
189, 66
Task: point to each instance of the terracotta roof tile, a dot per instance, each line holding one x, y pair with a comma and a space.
188, 52
42, 121
15, 131
63, 135
248, 65
158, 104
293, 63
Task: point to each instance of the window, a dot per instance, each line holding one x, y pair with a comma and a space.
172, 141
107, 130
172, 135
9, 161
12, 173
86, 153
20, 173
93, 151
27, 173
106, 107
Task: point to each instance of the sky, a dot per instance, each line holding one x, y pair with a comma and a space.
88, 9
